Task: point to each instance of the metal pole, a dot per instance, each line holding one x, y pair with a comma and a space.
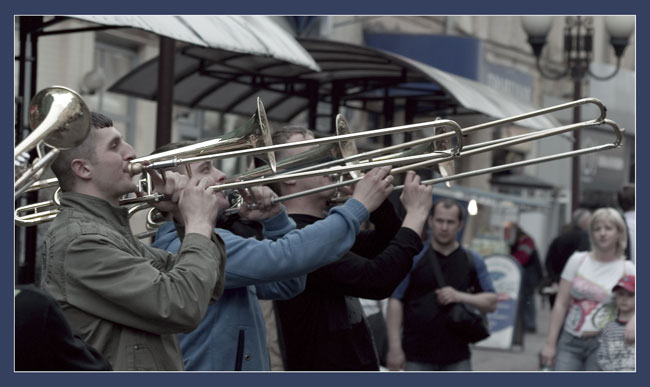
27, 237
165, 92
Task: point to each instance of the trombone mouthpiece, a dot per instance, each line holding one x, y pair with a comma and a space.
136, 168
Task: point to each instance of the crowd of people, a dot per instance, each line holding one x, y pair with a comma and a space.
288, 278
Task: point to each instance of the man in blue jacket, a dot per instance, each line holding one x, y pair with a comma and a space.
232, 333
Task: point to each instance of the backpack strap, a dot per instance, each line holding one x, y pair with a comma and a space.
437, 272
476, 284
435, 264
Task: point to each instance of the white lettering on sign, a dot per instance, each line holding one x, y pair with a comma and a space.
511, 87
611, 162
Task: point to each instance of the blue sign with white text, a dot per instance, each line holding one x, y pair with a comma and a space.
505, 272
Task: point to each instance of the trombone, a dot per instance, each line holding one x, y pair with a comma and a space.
170, 160
313, 158
472, 150
343, 147
256, 134
413, 162
60, 119
543, 159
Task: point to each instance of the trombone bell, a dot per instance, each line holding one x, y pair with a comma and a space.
59, 117
255, 133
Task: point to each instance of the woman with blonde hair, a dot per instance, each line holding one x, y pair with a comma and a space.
584, 303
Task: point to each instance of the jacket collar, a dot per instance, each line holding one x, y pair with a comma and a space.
99, 208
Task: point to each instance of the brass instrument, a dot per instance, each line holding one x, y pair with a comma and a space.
60, 119
407, 160
255, 134
479, 148
371, 133
310, 159
424, 160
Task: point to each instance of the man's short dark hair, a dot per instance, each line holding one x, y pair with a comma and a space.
281, 136
85, 150
626, 198
448, 203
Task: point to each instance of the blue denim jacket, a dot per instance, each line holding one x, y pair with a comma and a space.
232, 332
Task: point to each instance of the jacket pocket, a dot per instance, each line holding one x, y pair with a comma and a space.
142, 358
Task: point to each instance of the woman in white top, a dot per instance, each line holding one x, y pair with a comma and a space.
584, 303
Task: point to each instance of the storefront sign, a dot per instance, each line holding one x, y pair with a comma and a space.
505, 272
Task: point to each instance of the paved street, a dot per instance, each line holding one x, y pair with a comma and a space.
518, 358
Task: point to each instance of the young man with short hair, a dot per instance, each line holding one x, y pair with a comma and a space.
125, 299
323, 327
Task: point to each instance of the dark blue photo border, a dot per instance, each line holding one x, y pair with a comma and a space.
364, 7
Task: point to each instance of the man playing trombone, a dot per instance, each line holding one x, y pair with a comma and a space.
125, 299
231, 337
324, 327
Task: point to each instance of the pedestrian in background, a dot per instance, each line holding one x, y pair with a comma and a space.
523, 249
420, 304
626, 199
574, 237
583, 305
615, 351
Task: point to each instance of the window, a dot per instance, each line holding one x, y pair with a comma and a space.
112, 62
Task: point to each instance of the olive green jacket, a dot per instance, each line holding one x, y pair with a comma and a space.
124, 298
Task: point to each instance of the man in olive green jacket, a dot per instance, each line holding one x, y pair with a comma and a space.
126, 299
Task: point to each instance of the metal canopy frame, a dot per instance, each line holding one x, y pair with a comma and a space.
351, 76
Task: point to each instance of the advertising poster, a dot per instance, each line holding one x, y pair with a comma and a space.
506, 277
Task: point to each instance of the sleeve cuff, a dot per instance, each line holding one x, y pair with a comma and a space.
358, 210
278, 225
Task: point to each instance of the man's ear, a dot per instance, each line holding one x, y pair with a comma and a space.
81, 169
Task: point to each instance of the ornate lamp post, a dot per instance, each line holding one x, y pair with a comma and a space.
578, 54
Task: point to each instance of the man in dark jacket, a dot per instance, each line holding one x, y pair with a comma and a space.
324, 327
420, 304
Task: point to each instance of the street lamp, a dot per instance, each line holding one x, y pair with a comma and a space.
578, 54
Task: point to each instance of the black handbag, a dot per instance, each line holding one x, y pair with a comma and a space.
464, 320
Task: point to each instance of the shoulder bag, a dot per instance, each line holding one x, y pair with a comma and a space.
464, 320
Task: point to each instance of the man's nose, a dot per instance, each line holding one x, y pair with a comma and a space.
129, 152
219, 176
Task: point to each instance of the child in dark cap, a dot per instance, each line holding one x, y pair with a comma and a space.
614, 354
